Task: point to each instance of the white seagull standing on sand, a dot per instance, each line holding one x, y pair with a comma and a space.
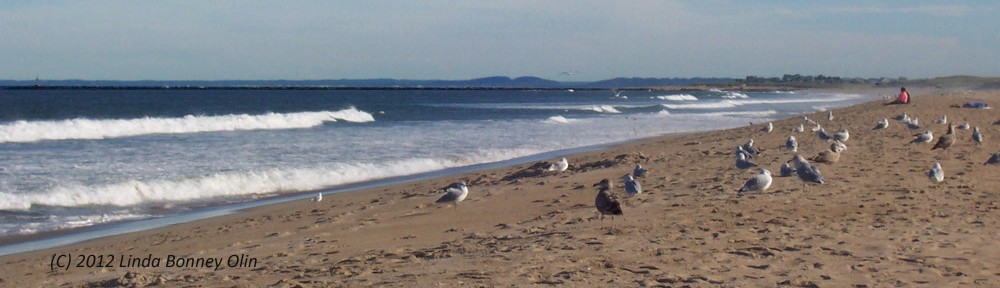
769, 127
791, 144
758, 182
456, 192
882, 124
903, 117
925, 137
913, 123
319, 197
976, 136
799, 129
632, 187
936, 174
829, 116
964, 126
942, 120
560, 166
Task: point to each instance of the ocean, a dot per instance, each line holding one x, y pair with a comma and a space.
85, 157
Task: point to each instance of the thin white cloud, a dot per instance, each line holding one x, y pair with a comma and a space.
933, 10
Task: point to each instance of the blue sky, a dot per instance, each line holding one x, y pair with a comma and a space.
433, 39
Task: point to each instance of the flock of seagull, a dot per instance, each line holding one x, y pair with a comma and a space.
608, 203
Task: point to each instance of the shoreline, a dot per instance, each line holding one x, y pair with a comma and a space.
870, 225
57, 238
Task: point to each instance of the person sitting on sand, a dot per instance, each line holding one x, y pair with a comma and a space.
903, 98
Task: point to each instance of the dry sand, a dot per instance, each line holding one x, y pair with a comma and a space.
877, 222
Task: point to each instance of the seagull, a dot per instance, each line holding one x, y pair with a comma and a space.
739, 151
822, 134
995, 159
805, 119
632, 187
913, 123
743, 163
806, 172
936, 174
817, 128
903, 117
976, 136
799, 129
827, 156
456, 192
606, 202
882, 124
769, 127
841, 136
751, 151
559, 166
964, 126
787, 170
758, 182
925, 137
838, 146
946, 140
639, 171
791, 144
319, 197
942, 120
829, 116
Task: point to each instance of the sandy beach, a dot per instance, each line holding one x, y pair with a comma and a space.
878, 221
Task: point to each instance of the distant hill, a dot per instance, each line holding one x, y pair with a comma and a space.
962, 81
486, 82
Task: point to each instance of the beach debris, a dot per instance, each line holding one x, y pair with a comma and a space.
318, 198
925, 137
743, 163
806, 172
607, 203
786, 170
842, 135
976, 136
791, 144
994, 159
756, 183
639, 171
882, 124
559, 166
454, 193
946, 140
937, 173
632, 187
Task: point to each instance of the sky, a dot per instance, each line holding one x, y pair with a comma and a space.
434, 39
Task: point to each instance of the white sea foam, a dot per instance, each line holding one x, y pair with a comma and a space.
605, 109
678, 97
559, 119
66, 222
32, 131
735, 95
711, 105
227, 184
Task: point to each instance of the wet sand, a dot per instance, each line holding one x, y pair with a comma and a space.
878, 221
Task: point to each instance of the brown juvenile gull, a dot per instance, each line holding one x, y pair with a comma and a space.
946, 140
606, 202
